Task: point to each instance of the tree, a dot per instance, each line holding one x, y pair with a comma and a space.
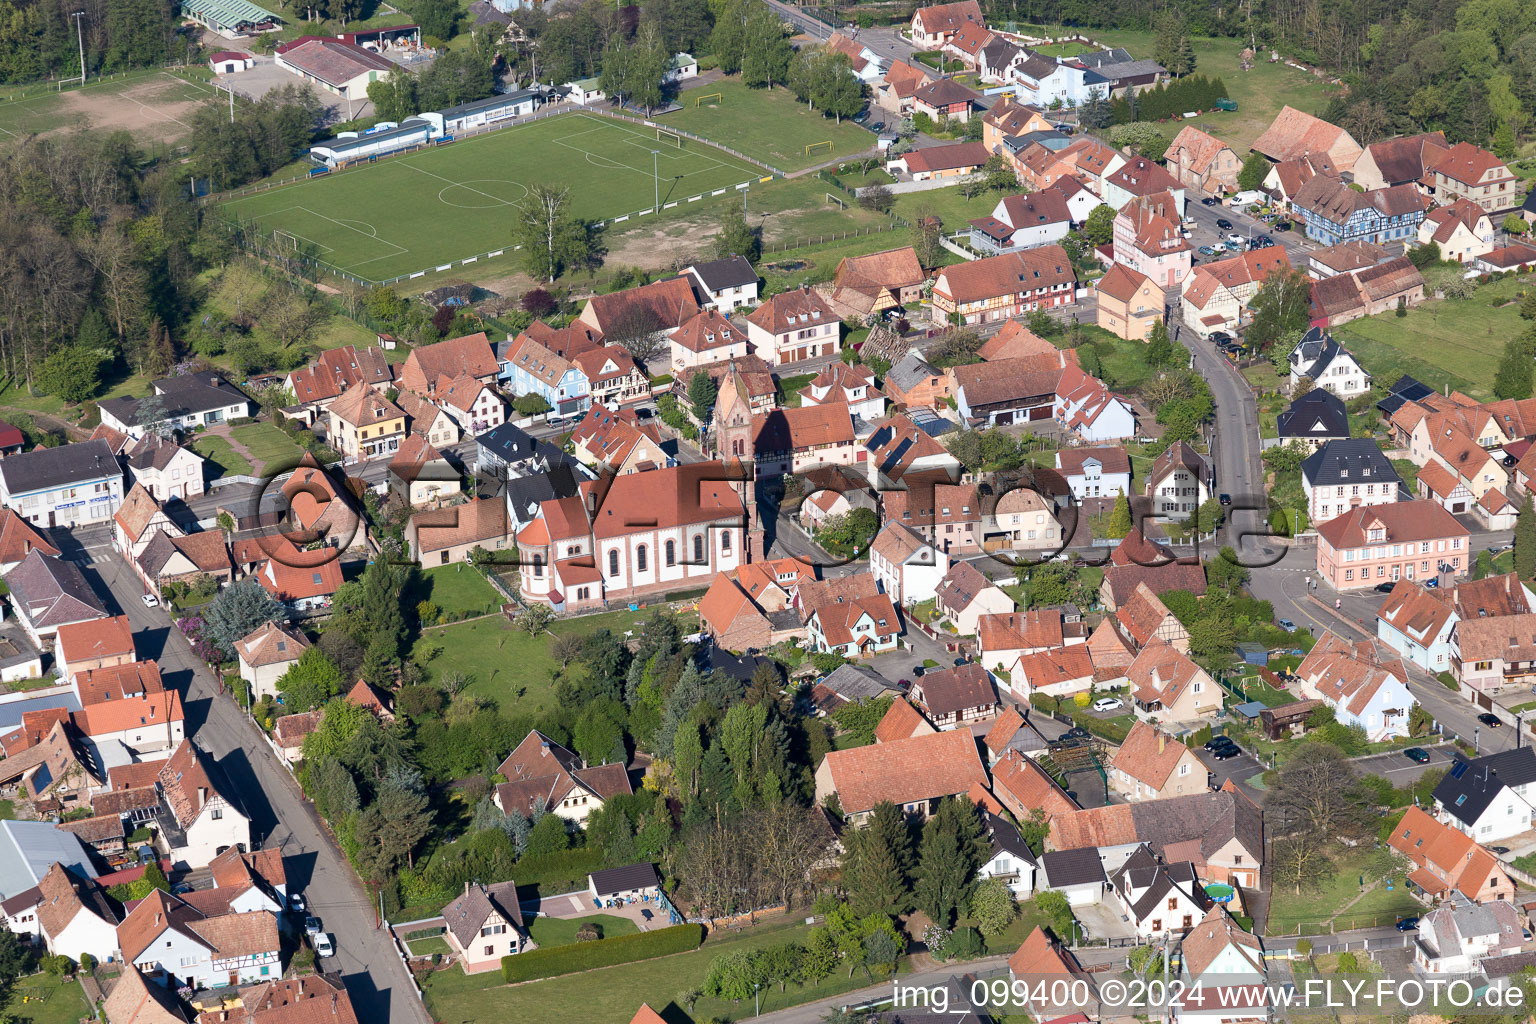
736, 975
394, 96
1282, 304
1099, 228
926, 229
1426, 255
310, 682
993, 907
1515, 224
835, 87
1299, 860
549, 835
1119, 523
877, 862
1315, 796
618, 59
437, 18
550, 236
1058, 913
649, 61
1525, 541
1513, 378
998, 174
71, 373
238, 610
768, 50
1212, 641
737, 237
535, 618
951, 851
1255, 169
701, 393
1160, 349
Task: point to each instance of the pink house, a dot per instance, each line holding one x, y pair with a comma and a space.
1373, 544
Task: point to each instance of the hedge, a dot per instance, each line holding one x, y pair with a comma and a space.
587, 956
567, 865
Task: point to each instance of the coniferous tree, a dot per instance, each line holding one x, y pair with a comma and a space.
1513, 377
877, 864
1120, 522
951, 851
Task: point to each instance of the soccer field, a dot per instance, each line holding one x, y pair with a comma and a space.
427, 209
154, 105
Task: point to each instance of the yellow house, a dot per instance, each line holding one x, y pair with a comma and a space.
363, 424
1129, 303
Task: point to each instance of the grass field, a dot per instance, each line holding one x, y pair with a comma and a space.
415, 212
561, 931
1455, 341
266, 442
46, 999
222, 456
151, 105
1330, 893
457, 589
768, 125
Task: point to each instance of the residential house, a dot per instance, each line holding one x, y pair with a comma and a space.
321, 998
1151, 765
1294, 134
913, 382
1017, 390
419, 475
181, 946
266, 654
47, 593
1461, 229
472, 403
954, 698
964, 595
302, 580
1124, 74
1022, 786
1081, 202
1447, 861
18, 539
793, 326
1466, 171
1507, 258
1285, 179
1378, 289
336, 370
1023, 222
898, 448
902, 721
1333, 212
467, 356
1402, 161
1221, 832
658, 306
1198, 160
1457, 936
907, 566
197, 820
968, 44
1179, 482
363, 424
484, 924
138, 521
850, 684
1490, 797
1159, 899
1129, 303
1011, 732
97, 643
133, 1001
1345, 475
1493, 653
1215, 296
73, 485
1372, 544
428, 421
1002, 638
1345, 258
750, 608
1167, 686
1009, 119
1365, 684
1147, 620
543, 775
1077, 874
1330, 366
1087, 160
850, 386
949, 516
935, 163
188, 559
74, 916
180, 403
1095, 472
1010, 858
932, 27
1024, 520
529, 365
1314, 419
867, 285
867, 65
164, 468
706, 338
1139, 177
1137, 560
1417, 624
1222, 964
855, 627
444, 536
1040, 957
613, 377
861, 777
723, 284
1045, 82
1149, 240
945, 98
803, 438
616, 442
895, 91
510, 452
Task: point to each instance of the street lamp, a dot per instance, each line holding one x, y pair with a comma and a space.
80, 38
757, 1007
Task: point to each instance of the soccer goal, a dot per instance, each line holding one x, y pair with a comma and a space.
835, 199
709, 96
284, 240
670, 138
813, 146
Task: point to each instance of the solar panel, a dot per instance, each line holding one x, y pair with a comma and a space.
1460, 770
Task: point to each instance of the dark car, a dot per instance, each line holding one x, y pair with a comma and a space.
1490, 720
1283, 225
1265, 240
1220, 741
1500, 850
1418, 755
1224, 224
1226, 499
918, 670
1408, 924
1210, 201
959, 662
1384, 588
1077, 732
1219, 338
1224, 753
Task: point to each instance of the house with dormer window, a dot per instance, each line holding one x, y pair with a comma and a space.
1365, 683
1334, 213
171, 939
793, 326
1348, 474
484, 924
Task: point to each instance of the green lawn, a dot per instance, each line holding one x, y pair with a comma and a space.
1065, 49
612, 994
415, 212
266, 442
222, 458
426, 947
7, 810
1454, 341
561, 931
955, 212
45, 999
1312, 908
767, 124
155, 102
460, 589
1124, 362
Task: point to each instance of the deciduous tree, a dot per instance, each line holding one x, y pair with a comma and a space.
549, 235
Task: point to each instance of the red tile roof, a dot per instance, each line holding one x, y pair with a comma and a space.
906, 771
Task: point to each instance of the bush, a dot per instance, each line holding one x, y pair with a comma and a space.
589, 932
571, 866
1449, 682
586, 956
965, 943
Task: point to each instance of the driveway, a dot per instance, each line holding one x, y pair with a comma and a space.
1239, 770
376, 979
1105, 920
1400, 771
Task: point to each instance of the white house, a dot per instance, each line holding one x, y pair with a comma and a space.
1158, 899
170, 938
1364, 684
1010, 857
180, 403
723, 284
1456, 935
74, 916
206, 821
1044, 81
1329, 364
1417, 624
1489, 798
164, 468
1093, 413
473, 404
793, 326
682, 66
906, 565
1179, 482
72, 485
1076, 874
853, 386
1095, 472
1225, 965
266, 653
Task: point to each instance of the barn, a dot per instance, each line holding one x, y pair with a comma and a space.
227, 62
350, 147
232, 19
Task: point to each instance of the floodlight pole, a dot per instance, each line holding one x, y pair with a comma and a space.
656, 178
80, 38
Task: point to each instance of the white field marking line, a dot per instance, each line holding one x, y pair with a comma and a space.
450, 181
183, 81
399, 249
706, 164
10, 133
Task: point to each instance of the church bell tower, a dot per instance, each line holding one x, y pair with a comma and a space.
734, 446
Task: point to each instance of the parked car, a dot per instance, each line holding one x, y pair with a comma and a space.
180, 889
1219, 338
1223, 224
959, 662
1287, 625
311, 926
296, 902
151, 601
324, 946
1206, 250
1283, 225
1210, 201
1226, 753
1265, 241
1408, 924
1235, 240
1418, 755
1077, 732
1218, 741
1500, 850
1108, 704
1489, 719
1384, 588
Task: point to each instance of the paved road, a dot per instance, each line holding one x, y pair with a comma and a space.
381, 989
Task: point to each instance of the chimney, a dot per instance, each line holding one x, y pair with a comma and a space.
1162, 741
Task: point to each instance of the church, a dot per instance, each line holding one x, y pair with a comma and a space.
650, 533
